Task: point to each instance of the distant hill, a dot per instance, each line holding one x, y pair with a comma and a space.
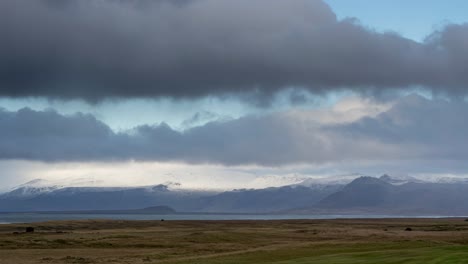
266, 200
378, 196
362, 192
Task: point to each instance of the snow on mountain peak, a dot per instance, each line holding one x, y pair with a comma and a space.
329, 180
33, 188
34, 183
399, 179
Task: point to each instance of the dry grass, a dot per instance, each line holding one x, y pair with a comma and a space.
102, 241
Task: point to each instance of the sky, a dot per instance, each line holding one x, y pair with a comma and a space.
415, 19
222, 94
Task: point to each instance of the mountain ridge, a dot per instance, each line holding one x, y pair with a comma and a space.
369, 195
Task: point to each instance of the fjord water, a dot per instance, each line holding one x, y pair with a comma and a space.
6, 218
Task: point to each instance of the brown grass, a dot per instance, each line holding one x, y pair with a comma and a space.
103, 241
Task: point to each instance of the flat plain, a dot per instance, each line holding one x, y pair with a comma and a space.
236, 242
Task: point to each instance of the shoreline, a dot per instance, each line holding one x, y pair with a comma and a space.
209, 218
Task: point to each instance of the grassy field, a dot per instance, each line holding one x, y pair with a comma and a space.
237, 242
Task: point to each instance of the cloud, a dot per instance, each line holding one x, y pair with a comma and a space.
430, 129
95, 50
200, 118
413, 128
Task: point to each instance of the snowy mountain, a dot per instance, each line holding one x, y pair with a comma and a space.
394, 179
33, 188
318, 182
40, 186
400, 179
387, 194
41, 195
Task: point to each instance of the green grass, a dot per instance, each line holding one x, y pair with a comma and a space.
433, 255
408, 253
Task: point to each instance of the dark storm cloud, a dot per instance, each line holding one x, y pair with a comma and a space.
429, 129
96, 49
413, 129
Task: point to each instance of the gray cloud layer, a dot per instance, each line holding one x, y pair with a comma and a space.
96, 49
413, 129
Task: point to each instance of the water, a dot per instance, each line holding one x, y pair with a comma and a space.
6, 218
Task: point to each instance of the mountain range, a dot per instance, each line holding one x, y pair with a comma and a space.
380, 196
389, 195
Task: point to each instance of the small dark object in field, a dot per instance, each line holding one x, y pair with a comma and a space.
385, 229
29, 229
162, 220
466, 220
408, 229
